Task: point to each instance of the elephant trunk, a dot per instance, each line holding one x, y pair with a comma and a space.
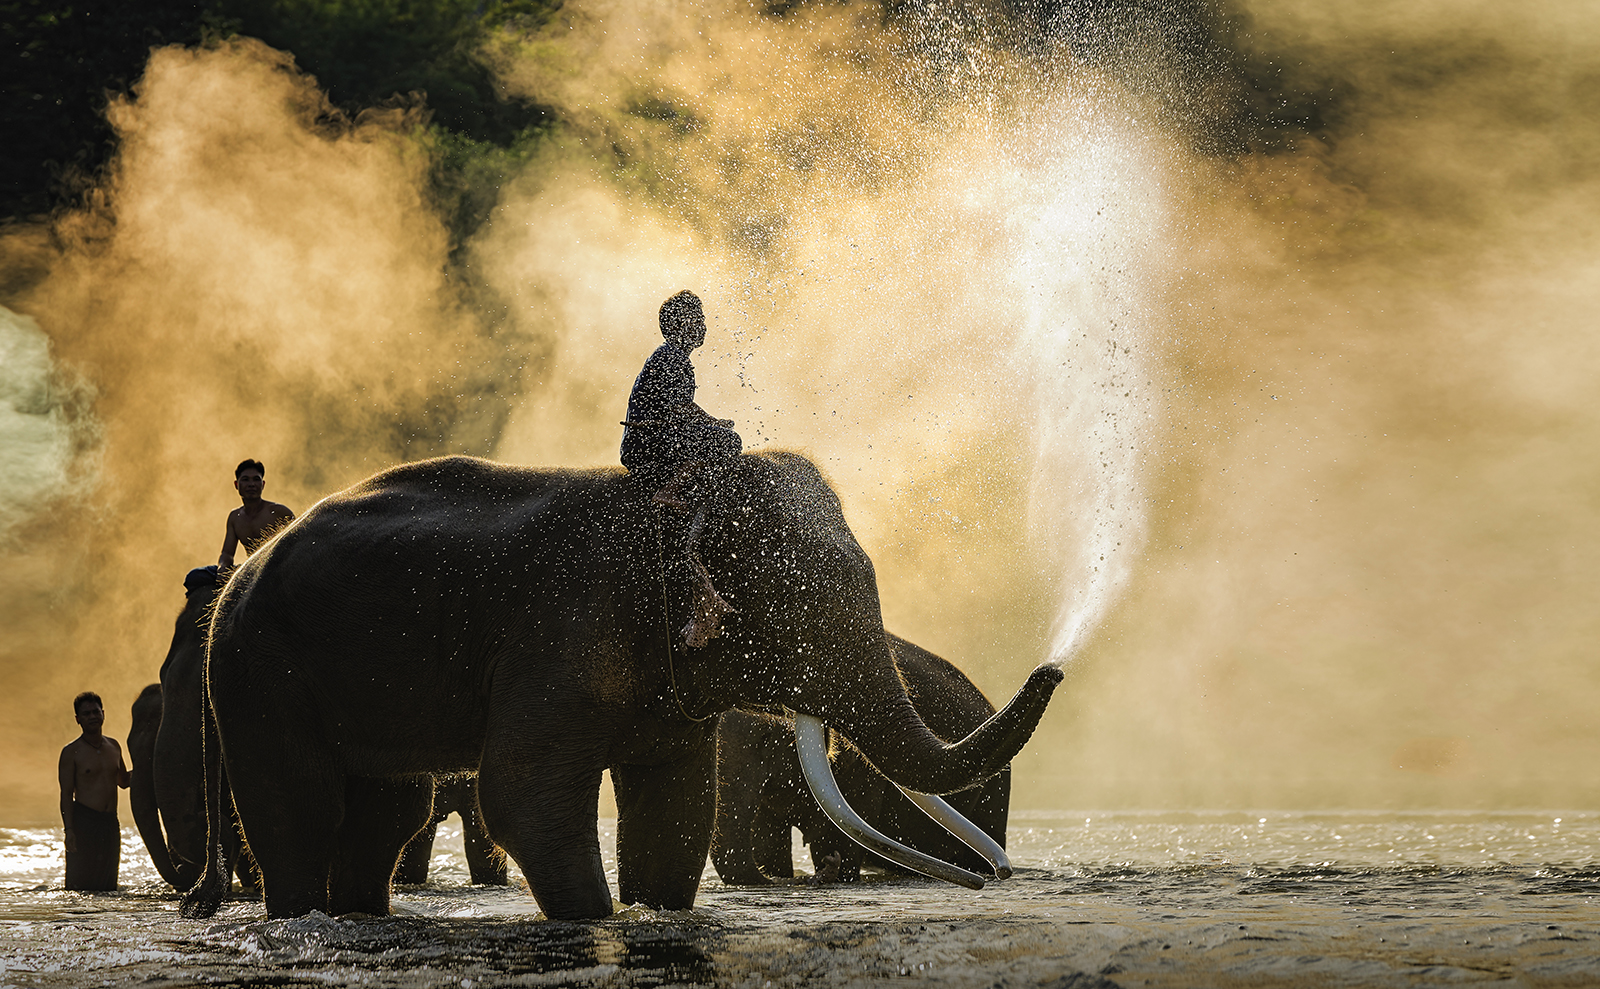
874, 711
147, 817
147, 714
894, 738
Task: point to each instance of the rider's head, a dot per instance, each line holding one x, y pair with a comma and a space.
683, 321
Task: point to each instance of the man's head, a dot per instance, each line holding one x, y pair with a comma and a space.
683, 321
249, 478
88, 711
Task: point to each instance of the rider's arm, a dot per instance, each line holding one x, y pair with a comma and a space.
230, 546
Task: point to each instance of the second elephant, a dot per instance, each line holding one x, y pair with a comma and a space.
167, 791
486, 862
761, 792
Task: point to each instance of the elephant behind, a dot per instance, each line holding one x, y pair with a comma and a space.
168, 779
457, 794
456, 614
167, 790
761, 792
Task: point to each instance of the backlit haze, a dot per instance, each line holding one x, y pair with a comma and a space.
1283, 442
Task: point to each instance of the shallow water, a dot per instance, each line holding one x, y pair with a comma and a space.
1350, 899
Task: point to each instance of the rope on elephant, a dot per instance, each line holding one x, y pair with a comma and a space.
666, 615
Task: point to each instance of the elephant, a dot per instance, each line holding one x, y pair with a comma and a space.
167, 784
486, 863
167, 789
142, 786
458, 614
762, 792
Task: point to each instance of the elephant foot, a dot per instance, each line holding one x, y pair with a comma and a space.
827, 870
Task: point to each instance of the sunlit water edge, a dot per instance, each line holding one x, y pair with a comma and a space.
1123, 897
31, 856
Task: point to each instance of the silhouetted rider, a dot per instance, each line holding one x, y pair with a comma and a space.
669, 443
666, 430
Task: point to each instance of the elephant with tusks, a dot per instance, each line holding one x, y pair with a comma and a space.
762, 790
458, 614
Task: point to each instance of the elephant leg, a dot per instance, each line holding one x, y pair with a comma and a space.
418, 853
771, 844
237, 856
292, 839
664, 818
290, 800
733, 843
248, 872
485, 861
865, 789
540, 799
832, 852
380, 817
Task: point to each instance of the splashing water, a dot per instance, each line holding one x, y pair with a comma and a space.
1085, 255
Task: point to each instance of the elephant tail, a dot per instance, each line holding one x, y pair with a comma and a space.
206, 896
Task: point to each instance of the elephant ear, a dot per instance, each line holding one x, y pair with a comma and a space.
709, 607
696, 492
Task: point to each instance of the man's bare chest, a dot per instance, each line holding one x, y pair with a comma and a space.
249, 527
93, 763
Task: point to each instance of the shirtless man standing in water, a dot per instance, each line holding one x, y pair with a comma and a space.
90, 771
255, 520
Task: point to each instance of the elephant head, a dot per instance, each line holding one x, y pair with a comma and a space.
168, 786
166, 791
808, 631
807, 635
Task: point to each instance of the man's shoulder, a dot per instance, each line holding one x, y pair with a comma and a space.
277, 509
668, 354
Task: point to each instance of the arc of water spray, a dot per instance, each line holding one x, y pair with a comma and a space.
1085, 253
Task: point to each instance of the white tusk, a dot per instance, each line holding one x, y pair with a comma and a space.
952, 821
811, 743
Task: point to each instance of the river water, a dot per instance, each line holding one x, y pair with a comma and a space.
1098, 900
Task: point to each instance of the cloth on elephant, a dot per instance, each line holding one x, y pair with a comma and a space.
200, 577
665, 429
99, 839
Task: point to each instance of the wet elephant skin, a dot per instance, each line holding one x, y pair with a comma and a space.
457, 614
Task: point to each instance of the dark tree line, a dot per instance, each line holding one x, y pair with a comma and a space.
64, 60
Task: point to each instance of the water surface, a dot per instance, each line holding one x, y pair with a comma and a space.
1119, 899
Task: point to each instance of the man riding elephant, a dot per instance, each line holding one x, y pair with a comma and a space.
670, 443
666, 430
